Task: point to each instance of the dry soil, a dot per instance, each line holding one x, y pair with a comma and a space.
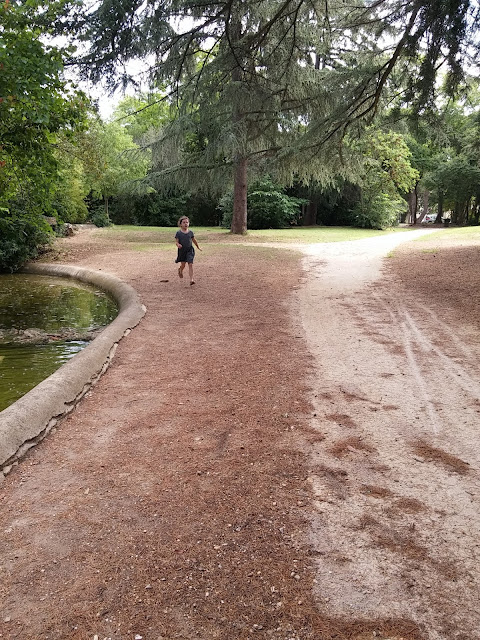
286, 450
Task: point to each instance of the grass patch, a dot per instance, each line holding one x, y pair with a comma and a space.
441, 238
309, 235
454, 233
298, 235
463, 233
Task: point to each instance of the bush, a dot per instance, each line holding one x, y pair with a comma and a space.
379, 211
21, 239
74, 212
149, 209
99, 217
163, 210
203, 210
268, 207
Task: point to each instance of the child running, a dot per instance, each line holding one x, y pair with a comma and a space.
183, 239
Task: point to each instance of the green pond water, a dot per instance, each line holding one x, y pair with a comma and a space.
48, 304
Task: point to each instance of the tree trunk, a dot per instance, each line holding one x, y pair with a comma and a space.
471, 207
426, 201
239, 219
457, 212
440, 205
412, 206
309, 218
105, 198
476, 210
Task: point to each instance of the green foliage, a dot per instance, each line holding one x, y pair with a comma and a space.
456, 181
273, 87
332, 205
386, 175
267, 205
21, 239
445, 29
446, 152
151, 209
70, 189
166, 210
142, 114
163, 209
377, 211
112, 162
100, 218
36, 104
387, 165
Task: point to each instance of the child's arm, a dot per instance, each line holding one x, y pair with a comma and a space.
179, 246
196, 244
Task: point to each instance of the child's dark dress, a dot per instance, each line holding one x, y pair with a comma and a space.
187, 252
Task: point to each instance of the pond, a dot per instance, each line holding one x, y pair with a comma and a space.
44, 321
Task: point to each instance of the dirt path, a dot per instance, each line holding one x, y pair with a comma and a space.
395, 480
290, 457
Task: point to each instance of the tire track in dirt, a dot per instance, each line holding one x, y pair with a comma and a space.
437, 371
396, 477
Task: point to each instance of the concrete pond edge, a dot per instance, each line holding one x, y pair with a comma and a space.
28, 420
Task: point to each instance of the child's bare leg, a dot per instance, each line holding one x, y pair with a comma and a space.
181, 268
190, 272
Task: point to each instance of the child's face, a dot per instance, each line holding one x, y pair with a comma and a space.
185, 223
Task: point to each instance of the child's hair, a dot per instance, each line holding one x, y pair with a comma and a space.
180, 220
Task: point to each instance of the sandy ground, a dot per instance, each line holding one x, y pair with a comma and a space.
397, 397
287, 450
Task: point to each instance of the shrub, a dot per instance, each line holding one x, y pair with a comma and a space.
378, 211
151, 209
99, 217
268, 207
69, 210
163, 209
21, 239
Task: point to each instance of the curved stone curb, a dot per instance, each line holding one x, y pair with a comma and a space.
32, 417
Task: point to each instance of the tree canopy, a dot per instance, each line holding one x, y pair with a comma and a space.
36, 105
276, 83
